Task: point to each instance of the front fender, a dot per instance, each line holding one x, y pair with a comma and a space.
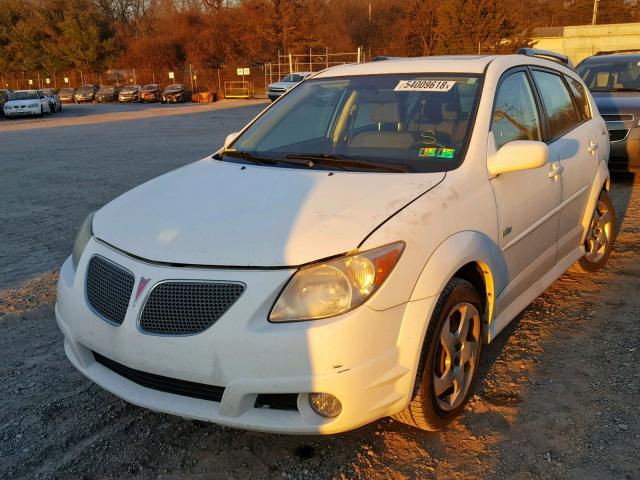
455, 252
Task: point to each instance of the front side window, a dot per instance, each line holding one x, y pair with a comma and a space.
405, 122
515, 115
561, 112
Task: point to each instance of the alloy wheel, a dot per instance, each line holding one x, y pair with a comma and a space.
600, 233
456, 356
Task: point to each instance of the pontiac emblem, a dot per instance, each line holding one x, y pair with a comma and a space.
141, 286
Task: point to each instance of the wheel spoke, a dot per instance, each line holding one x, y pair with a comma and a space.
466, 314
605, 218
443, 383
447, 338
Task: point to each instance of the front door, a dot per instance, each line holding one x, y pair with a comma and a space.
528, 202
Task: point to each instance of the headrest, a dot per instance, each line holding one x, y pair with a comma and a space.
385, 112
437, 108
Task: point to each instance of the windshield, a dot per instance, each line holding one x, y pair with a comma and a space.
611, 75
106, 90
66, 90
130, 88
85, 89
28, 95
293, 78
150, 87
176, 86
418, 123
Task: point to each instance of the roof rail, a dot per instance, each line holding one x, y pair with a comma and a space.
610, 52
548, 54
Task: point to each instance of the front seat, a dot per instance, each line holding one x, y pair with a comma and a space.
389, 134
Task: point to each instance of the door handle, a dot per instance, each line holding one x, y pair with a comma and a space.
555, 171
593, 146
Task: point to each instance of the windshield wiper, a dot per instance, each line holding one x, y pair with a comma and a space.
248, 156
344, 163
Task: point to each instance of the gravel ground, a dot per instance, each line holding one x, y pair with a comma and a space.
558, 392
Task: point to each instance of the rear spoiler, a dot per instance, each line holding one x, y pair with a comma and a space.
547, 54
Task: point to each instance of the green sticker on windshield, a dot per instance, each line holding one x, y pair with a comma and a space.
446, 152
428, 152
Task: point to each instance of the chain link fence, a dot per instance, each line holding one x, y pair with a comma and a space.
250, 78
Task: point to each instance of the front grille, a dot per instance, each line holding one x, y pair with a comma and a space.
617, 117
109, 288
163, 384
187, 308
618, 135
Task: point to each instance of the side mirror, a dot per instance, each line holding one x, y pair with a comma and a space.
230, 138
518, 155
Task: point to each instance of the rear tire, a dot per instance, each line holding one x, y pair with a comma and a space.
600, 236
449, 359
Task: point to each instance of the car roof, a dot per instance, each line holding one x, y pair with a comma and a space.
27, 90
470, 64
629, 57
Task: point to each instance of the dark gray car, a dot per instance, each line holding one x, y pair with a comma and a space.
614, 81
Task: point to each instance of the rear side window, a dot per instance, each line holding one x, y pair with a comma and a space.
580, 97
556, 99
515, 116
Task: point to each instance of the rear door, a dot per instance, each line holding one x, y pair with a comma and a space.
574, 139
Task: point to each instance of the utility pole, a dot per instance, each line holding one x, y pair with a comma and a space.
594, 19
369, 34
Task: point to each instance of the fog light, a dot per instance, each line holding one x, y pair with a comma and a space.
325, 404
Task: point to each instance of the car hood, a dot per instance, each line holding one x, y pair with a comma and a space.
286, 85
225, 214
617, 102
22, 103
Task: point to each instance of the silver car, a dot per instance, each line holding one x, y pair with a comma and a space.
277, 89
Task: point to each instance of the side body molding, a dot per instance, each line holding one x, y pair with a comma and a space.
455, 252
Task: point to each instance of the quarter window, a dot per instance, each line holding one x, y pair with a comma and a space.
556, 99
515, 116
580, 97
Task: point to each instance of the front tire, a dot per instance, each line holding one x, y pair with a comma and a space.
600, 236
449, 359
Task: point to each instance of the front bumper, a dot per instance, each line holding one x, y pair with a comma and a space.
22, 112
625, 154
274, 95
366, 358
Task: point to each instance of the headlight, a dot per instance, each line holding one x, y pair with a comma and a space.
330, 288
33, 105
8, 107
83, 237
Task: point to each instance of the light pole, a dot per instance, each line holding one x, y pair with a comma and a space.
594, 19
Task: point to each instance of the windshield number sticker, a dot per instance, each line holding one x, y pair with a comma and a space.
424, 86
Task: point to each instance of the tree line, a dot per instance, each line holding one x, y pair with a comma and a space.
57, 35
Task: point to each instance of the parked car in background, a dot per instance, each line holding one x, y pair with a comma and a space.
55, 104
25, 103
4, 96
67, 94
151, 93
277, 89
614, 81
405, 216
85, 93
129, 93
107, 93
176, 93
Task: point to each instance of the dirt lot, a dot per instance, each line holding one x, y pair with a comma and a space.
558, 394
